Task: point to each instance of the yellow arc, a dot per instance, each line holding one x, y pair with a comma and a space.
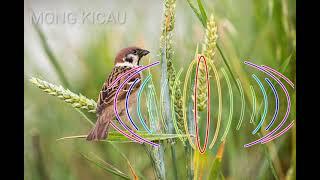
184, 102
220, 105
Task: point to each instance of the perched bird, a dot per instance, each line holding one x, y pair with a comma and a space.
125, 60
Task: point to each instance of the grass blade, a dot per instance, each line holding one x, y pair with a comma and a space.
228, 66
196, 12
134, 174
202, 11
115, 136
105, 166
215, 172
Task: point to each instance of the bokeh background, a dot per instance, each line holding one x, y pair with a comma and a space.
260, 31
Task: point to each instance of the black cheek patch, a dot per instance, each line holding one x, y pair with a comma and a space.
129, 59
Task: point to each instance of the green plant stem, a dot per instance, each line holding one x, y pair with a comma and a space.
268, 155
291, 174
156, 155
189, 163
110, 170
228, 67
195, 10
40, 164
189, 152
166, 102
265, 163
202, 11
273, 170
168, 75
174, 162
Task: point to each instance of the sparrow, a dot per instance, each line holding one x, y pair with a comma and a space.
125, 60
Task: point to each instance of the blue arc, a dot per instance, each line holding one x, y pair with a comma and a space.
264, 138
138, 104
265, 104
127, 103
277, 103
140, 139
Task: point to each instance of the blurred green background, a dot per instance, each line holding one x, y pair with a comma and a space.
262, 32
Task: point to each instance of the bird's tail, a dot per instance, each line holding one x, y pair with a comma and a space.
100, 131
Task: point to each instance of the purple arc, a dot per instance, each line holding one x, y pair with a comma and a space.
288, 105
127, 103
112, 123
279, 134
279, 74
277, 103
116, 107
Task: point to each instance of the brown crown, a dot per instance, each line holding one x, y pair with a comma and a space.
122, 53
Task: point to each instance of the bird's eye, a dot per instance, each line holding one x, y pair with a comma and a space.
134, 52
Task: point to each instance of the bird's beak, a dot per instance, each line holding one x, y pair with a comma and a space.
144, 52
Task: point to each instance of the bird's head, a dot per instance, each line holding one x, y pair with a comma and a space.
130, 56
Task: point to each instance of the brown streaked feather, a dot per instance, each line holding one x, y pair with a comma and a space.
100, 131
105, 107
107, 93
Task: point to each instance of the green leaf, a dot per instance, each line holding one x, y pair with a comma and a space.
196, 11
215, 172
133, 172
203, 12
215, 169
286, 63
115, 136
105, 166
228, 67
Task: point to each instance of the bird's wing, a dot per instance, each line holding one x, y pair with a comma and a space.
106, 95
